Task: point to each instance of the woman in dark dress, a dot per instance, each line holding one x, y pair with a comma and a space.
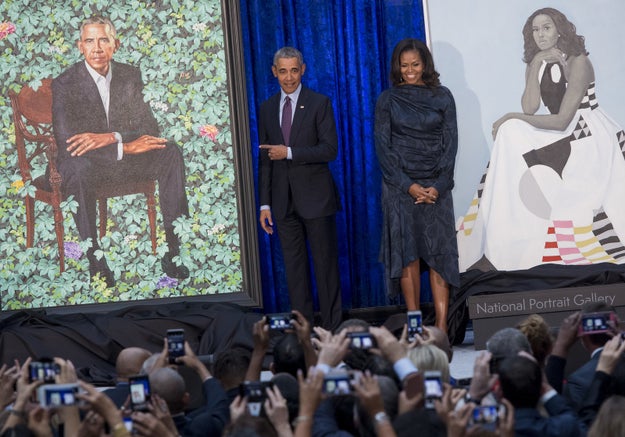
416, 139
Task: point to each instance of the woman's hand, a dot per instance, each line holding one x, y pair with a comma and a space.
502, 120
421, 194
552, 55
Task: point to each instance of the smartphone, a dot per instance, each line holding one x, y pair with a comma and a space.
43, 371
139, 386
487, 416
432, 387
339, 382
175, 344
596, 323
255, 394
361, 340
414, 319
280, 321
57, 395
128, 423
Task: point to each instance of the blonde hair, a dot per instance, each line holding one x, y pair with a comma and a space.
538, 334
429, 357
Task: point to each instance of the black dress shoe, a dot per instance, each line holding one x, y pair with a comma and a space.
172, 270
101, 268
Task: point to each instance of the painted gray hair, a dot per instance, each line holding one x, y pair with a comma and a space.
98, 19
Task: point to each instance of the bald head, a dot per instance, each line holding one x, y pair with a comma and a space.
129, 362
441, 341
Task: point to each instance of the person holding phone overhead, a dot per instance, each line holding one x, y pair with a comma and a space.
416, 139
297, 137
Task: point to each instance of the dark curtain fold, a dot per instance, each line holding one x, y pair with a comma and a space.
346, 47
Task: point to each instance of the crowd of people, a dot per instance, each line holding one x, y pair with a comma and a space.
359, 380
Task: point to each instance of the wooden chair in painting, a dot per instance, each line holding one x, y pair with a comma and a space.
32, 117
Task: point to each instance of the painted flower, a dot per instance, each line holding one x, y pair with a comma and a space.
199, 27
166, 282
6, 29
130, 237
72, 249
17, 185
209, 131
160, 106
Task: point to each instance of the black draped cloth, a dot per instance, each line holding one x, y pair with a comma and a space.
92, 341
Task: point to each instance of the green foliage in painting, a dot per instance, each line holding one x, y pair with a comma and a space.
179, 46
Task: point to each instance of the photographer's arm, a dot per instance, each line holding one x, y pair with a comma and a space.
303, 332
24, 392
260, 334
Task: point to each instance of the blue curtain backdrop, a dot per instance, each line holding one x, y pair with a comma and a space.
347, 46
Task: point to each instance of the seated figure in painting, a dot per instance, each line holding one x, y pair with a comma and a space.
554, 187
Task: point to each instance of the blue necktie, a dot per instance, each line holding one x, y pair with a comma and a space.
286, 120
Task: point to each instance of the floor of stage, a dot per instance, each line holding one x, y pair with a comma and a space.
461, 366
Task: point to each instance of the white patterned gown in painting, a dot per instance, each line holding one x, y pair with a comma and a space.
550, 196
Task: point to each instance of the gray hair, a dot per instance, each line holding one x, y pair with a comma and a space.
98, 19
288, 52
508, 342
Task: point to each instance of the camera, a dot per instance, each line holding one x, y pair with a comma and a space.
361, 340
43, 371
280, 321
139, 386
254, 392
57, 395
596, 323
414, 319
175, 344
433, 387
487, 416
339, 382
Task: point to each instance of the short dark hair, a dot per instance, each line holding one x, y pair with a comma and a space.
288, 355
430, 75
520, 380
231, 366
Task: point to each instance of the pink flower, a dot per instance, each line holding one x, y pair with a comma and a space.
209, 131
6, 29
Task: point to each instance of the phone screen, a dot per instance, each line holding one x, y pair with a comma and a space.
433, 388
43, 371
175, 344
139, 387
57, 395
279, 322
595, 323
361, 340
415, 324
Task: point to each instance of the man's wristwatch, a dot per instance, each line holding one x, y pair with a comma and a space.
468, 398
381, 417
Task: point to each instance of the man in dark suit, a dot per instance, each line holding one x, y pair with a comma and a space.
521, 383
297, 136
105, 131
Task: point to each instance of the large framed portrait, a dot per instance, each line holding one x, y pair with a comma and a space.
190, 56
540, 107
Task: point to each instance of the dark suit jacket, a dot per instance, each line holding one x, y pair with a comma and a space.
313, 143
578, 382
562, 421
77, 108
